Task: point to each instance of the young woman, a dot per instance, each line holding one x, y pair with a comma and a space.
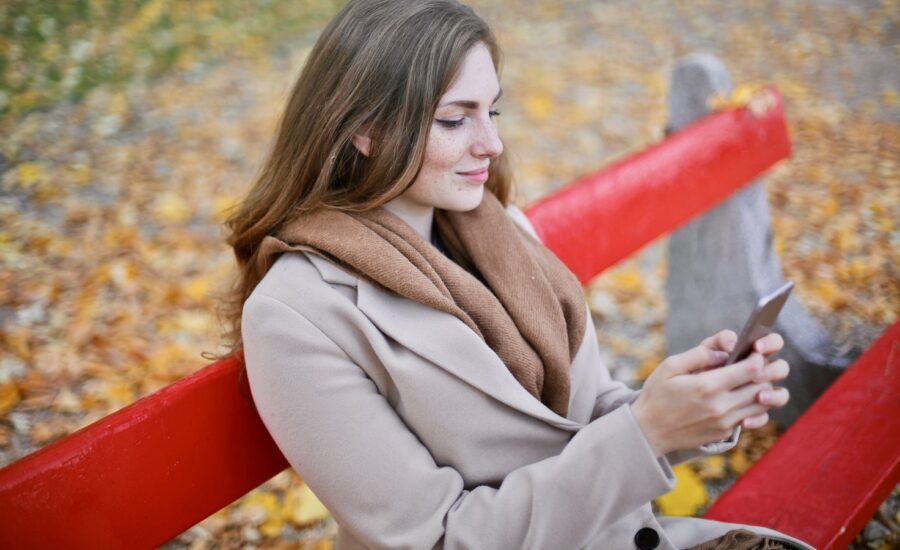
423, 362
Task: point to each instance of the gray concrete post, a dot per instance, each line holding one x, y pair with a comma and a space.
720, 263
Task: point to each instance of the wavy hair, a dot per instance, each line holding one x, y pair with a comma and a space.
379, 68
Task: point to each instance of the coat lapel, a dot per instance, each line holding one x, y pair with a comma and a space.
449, 344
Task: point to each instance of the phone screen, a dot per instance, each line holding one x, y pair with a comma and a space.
761, 322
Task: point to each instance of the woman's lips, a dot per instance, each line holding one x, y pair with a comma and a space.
476, 176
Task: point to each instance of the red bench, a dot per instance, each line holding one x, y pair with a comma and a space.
150, 471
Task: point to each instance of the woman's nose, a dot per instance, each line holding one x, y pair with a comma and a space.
487, 141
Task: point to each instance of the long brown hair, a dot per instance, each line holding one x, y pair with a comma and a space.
379, 69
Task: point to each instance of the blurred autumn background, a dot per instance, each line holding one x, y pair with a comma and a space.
127, 130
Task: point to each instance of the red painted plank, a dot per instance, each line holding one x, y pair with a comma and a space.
825, 477
142, 475
603, 217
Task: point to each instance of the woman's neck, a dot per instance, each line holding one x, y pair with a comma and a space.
417, 216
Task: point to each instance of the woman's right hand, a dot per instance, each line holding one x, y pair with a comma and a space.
686, 402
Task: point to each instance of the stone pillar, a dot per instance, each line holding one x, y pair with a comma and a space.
720, 263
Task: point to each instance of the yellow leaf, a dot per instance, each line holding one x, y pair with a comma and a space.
687, 497
863, 269
829, 292
30, 174
222, 206
9, 396
738, 462
25, 100
538, 105
711, 467
272, 527
172, 209
18, 341
891, 98
198, 288
119, 393
844, 238
191, 321
628, 280
647, 367
258, 507
739, 97
80, 174
302, 507
167, 358
755, 97
828, 207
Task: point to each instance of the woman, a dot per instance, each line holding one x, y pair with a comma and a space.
421, 360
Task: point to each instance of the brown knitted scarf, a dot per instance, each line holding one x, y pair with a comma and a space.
742, 539
501, 282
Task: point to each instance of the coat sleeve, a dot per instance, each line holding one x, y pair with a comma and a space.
383, 486
612, 394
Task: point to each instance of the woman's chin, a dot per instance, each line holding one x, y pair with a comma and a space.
465, 200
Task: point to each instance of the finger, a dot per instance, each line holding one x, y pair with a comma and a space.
774, 398
769, 344
754, 410
695, 359
754, 422
724, 340
777, 370
737, 374
749, 395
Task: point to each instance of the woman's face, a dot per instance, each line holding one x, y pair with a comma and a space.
463, 138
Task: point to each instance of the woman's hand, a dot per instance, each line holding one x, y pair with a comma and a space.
688, 402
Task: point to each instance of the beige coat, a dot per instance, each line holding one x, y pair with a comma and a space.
415, 435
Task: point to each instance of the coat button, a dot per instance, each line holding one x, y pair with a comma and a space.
646, 539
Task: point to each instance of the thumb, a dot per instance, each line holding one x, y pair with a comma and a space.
695, 359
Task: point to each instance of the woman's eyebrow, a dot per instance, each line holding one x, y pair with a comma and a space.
468, 103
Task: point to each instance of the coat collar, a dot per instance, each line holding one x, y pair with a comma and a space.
449, 343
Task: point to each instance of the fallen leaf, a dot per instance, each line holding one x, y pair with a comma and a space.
688, 496
172, 209
738, 462
303, 507
711, 467
9, 396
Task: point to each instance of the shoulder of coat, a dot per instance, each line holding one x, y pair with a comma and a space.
303, 273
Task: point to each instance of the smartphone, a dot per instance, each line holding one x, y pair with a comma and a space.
760, 322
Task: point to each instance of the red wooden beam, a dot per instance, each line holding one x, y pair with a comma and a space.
142, 475
603, 217
825, 477
153, 469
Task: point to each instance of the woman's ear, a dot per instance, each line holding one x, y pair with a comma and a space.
362, 143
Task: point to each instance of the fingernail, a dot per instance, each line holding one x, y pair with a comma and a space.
760, 346
765, 397
729, 345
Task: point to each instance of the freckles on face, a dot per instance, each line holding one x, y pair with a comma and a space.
463, 138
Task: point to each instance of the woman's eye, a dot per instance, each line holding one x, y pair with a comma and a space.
494, 113
449, 123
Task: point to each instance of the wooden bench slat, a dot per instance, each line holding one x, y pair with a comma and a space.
145, 473
825, 477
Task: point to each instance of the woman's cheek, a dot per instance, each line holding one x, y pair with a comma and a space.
448, 149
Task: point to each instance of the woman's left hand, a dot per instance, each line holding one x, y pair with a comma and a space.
772, 372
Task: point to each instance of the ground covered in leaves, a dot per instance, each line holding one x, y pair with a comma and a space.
128, 130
